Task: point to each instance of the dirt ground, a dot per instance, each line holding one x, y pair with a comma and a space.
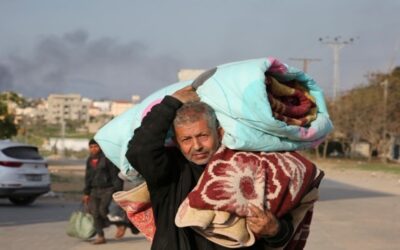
375, 180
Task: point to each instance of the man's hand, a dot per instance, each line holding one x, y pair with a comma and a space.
85, 199
262, 223
186, 94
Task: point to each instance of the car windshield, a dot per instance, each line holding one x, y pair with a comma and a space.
23, 152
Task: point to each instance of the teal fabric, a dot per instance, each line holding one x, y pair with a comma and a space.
114, 136
238, 94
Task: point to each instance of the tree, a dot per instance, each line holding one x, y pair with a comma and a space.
7, 126
360, 113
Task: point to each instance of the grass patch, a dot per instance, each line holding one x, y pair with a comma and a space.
378, 167
61, 178
373, 166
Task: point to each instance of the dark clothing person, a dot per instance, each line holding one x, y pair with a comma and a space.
101, 181
100, 198
170, 177
101, 173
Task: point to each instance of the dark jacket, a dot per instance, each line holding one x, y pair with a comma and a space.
170, 177
104, 175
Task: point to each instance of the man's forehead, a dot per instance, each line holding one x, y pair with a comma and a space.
192, 128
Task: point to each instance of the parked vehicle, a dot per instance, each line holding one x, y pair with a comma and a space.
23, 173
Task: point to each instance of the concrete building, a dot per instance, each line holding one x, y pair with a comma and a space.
102, 106
189, 74
119, 107
73, 144
67, 107
37, 111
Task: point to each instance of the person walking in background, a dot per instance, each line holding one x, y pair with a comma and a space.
101, 181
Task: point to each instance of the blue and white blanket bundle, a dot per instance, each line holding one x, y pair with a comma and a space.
238, 94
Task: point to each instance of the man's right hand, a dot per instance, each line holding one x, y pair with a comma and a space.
262, 223
186, 94
85, 199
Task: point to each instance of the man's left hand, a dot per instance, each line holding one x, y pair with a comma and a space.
262, 223
186, 94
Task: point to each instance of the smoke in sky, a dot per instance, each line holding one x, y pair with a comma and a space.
96, 68
6, 78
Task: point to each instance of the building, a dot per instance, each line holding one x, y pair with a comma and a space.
104, 107
189, 74
67, 107
61, 144
119, 107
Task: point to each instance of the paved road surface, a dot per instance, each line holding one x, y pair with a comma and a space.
346, 217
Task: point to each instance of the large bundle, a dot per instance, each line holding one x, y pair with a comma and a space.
241, 96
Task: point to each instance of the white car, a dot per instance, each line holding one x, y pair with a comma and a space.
23, 173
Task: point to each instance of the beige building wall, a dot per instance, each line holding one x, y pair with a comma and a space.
67, 107
189, 74
119, 107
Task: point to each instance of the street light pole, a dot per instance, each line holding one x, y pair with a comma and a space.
336, 44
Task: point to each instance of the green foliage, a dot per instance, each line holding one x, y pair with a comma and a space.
3, 108
359, 113
7, 127
13, 97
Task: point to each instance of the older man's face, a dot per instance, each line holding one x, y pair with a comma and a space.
197, 141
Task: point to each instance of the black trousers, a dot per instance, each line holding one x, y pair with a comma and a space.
100, 199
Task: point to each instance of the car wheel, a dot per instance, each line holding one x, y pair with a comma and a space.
22, 201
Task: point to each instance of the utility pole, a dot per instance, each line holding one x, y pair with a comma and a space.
385, 83
336, 44
305, 61
62, 144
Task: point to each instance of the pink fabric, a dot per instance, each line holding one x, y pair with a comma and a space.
276, 66
317, 142
306, 133
150, 106
141, 215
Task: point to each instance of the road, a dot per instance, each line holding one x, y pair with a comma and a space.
346, 217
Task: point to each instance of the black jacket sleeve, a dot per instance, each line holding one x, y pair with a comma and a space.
146, 151
88, 186
117, 183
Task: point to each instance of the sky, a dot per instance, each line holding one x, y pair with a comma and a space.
106, 49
